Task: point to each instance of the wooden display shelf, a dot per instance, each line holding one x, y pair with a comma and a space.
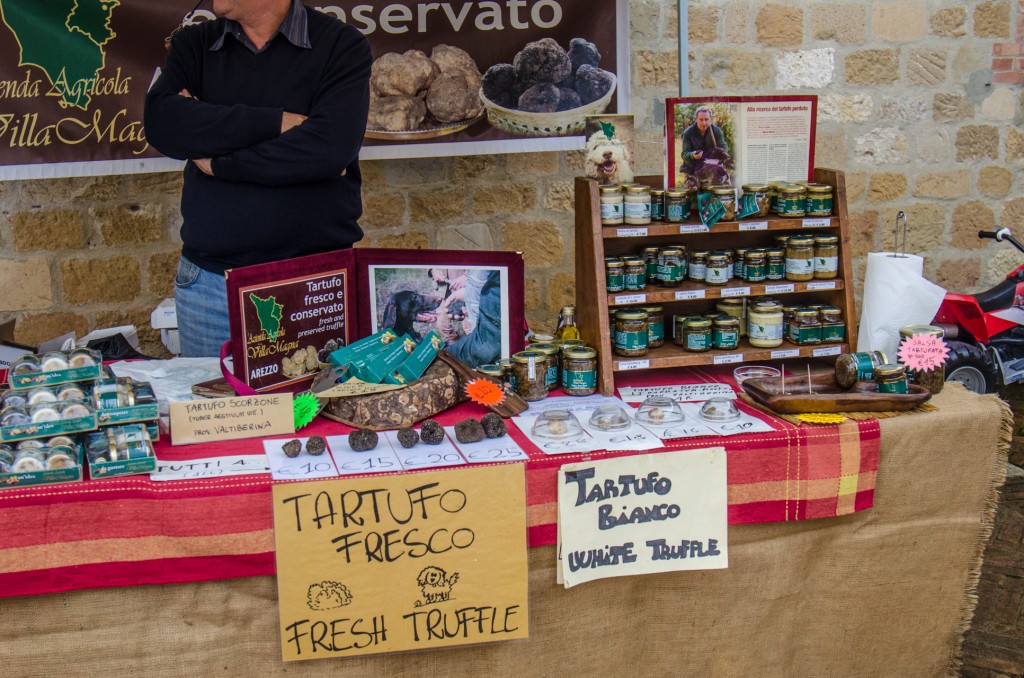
670, 355
594, 242
694, 291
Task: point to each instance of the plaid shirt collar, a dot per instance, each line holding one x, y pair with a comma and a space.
294, 28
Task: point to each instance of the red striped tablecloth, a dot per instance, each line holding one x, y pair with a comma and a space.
131, 531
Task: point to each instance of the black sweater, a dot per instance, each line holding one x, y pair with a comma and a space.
273, 196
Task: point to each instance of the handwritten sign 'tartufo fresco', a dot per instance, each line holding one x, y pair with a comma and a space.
402, 562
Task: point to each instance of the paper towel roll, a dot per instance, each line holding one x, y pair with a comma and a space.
895, 294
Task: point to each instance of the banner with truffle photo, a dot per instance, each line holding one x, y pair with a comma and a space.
488, 77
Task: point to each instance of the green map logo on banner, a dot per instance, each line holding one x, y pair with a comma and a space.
270, 313
66, 39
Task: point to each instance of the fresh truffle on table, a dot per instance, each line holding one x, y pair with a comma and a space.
362, 440
583, 52
542, 62
493, 424
469, 431
407, 437
316, 445
593, 83
431, 432
540, 99
292, 448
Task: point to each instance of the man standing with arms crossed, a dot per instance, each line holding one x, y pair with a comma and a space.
268, 104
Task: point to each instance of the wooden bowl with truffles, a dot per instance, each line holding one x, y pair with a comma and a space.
546, 90
415, 96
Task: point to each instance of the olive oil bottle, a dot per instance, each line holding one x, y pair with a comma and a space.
567, 324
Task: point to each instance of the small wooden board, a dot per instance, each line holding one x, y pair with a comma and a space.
825, 395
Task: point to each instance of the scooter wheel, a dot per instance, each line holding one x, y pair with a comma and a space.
971, 366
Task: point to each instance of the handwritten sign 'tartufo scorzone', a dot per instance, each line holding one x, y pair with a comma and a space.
403, 562
643, 514
203, 421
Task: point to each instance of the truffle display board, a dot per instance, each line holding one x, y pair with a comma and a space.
401, 562
594, 304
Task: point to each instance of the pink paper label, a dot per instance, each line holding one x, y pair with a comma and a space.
923, 352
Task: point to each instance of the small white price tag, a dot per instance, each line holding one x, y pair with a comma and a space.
624, 365
735, 291
693, 228
630, 299
828, 350
824, 222
829, 285
789, 353
779, 289
727, 359
753, 225
631, 232
689, 294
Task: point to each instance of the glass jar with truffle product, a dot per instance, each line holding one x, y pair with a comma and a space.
631, 333
800, 259
775, 268
530, 375
762, 197
727, 196
677, 205
805, 328
671, 266
891, 379
854, 367
657, 204
717, 270
697, 334
697, 267
655, 326
833, 328
551, 355
650, 257
733, 307
738, 263
491, 371
615, 276
933, 379
819, 200
636, 209
792, 201
826, 256
725, 333
754, 267
788, 311
679, 329
579, 370
634, 274
611, 205
764, 324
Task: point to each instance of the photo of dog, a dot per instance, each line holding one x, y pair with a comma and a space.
610, 148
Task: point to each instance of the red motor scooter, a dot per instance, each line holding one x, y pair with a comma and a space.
985, 332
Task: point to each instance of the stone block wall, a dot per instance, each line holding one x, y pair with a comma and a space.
919, 103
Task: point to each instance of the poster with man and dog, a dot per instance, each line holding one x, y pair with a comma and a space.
731, 141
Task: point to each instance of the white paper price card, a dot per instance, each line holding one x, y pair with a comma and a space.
817, 223
623, 299
827, 285
300, 467
728, 359
689, 294
680, 392
753, 226
779, 289
687, 428
624, 365
826, 351
490, 450
788, 353
693, 228
213, 467
422, 455
631, 232
735, 291
381, 459
746, 423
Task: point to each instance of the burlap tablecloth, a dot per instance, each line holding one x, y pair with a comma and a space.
883, 592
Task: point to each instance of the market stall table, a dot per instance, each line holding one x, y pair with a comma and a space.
800, 598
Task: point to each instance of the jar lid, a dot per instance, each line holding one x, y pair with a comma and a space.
740, 251
657, 191
490, 370
826, 240
699, 253
790, 308
671, 251
819, 188
652, 249
889, 370
570, 343
524, 356
930, 330
579, 352
754, 254
720, 258
615, 264
767, 306
630, 315
634, 261
830, 309
754, 188
805, 313
775, 252
610, 189
676, 193
800, 242
697, 322
723, 190
730, 301
727, 321
792, 190
638, 189
546, 349
651, 310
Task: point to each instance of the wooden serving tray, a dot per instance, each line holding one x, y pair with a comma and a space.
828, 396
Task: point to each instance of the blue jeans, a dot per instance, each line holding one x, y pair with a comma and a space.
201, 302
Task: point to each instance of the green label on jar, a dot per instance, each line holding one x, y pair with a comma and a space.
579, 379
614, 283
677, 212
800, 334
901, 387
670, 273
819, 206
656, 331
696, 341
657, 210
776, 271
717, 274
754, 273
551, 376
726, 340
630, 341
833, 332
652, 270
738, 268
634, 281
865, 367
791, 207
